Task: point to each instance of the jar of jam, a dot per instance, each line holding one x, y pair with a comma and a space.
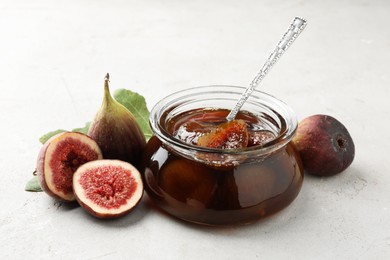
221, 186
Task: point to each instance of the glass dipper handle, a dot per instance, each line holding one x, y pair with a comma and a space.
288, 38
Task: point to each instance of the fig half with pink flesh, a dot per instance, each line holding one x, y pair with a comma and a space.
108, 188
59, 158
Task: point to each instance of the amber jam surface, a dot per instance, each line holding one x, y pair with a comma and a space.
188, 127
198, 189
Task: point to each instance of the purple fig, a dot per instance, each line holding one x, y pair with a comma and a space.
116, 131
325, 145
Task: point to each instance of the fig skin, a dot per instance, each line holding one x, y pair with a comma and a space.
324, 144
102, 170
117, 132
44, 158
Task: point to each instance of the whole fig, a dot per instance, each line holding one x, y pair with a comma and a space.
116, 131
324, 144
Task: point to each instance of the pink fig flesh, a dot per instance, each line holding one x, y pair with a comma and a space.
324, 144
59, 158
108, 188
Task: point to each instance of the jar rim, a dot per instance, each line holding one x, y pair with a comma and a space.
258, 97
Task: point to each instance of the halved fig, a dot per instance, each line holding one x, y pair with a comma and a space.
59, 158
108, 188
229, 135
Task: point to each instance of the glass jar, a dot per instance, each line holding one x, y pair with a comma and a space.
222, 186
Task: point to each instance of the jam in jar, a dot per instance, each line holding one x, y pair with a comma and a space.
221, 186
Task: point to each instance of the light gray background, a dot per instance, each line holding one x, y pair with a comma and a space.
53, 58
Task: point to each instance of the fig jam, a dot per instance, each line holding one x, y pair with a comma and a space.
220, 186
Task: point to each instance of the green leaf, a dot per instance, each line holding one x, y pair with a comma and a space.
33, 185
136, 104
47, 136
83, 130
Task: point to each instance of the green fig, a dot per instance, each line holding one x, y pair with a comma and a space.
116, 131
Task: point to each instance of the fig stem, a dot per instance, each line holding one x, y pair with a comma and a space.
107, 96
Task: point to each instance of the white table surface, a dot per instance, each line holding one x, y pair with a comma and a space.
53, 58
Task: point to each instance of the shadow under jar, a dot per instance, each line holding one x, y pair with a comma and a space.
221, 186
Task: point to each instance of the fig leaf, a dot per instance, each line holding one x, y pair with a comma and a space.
33, 185
47, 136
83, 130
136, 104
